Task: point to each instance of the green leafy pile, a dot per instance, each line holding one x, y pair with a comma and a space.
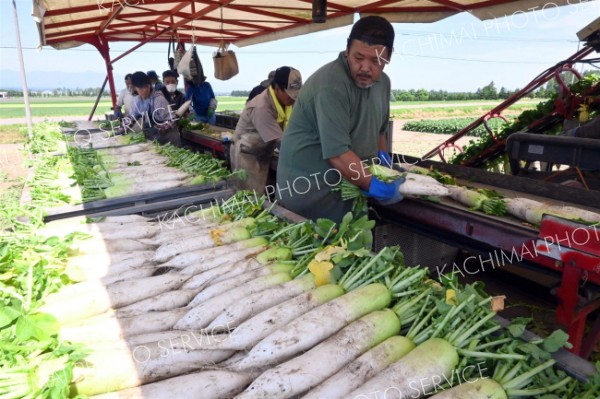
204, 167
34, 361
187, 124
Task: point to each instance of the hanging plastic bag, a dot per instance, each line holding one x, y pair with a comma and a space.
190, 67
226, 65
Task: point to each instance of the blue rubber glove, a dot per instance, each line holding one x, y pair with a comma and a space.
386, 193
118, 114
385, 158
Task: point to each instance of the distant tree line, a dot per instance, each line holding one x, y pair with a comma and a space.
240, 93
87, 92
489, 92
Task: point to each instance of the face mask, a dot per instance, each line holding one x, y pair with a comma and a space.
131, 90
171, 88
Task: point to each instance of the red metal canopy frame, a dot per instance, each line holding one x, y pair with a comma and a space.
70, 23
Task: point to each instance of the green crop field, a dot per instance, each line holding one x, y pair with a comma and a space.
82, 106
451, 126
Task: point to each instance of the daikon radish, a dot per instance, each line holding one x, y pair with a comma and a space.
413, 188
96, 266
90, 298
250, 332
201, 315
216, 289
576, 213
365, 367
111, 328
467, 197
241, 260
165, 301
483, 388
519, 207
308, 330
133, 274
433, 359
193, 258
100, 246
255, 303
177, 339
63, 227
309, 369
221, 271
121, 179
227, 234
127, 149
173, 228
209, 384
107, 371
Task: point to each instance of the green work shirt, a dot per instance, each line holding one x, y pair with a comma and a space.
332, 115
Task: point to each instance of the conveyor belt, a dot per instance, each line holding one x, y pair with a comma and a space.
506, 240
147, 202
528, 187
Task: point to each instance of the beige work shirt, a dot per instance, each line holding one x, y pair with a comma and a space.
260, 116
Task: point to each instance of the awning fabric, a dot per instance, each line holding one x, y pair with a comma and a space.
70, 23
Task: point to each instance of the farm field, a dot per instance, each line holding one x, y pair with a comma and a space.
14, 108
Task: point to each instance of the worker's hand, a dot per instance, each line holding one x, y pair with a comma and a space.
385, 158
118, 114
385, 193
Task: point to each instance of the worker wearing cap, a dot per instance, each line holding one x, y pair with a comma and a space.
338, 123
261, 126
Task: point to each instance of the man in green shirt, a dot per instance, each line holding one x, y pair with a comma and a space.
338, 126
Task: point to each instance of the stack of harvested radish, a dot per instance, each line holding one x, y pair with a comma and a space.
87, 174
223, 304
493, 203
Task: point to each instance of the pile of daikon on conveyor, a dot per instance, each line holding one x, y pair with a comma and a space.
492, 203
231, 302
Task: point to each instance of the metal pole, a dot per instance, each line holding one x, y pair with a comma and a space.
22, 73
98, 99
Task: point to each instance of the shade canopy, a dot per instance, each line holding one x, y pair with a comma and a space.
70, 23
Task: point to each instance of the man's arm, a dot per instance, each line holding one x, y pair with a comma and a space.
352, 169
383, 146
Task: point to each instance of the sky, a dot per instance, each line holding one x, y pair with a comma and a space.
460, 53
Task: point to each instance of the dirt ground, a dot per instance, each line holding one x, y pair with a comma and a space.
418, 144
12, 168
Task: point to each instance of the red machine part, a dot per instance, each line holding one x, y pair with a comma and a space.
577, 247
561, 246
564, 107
